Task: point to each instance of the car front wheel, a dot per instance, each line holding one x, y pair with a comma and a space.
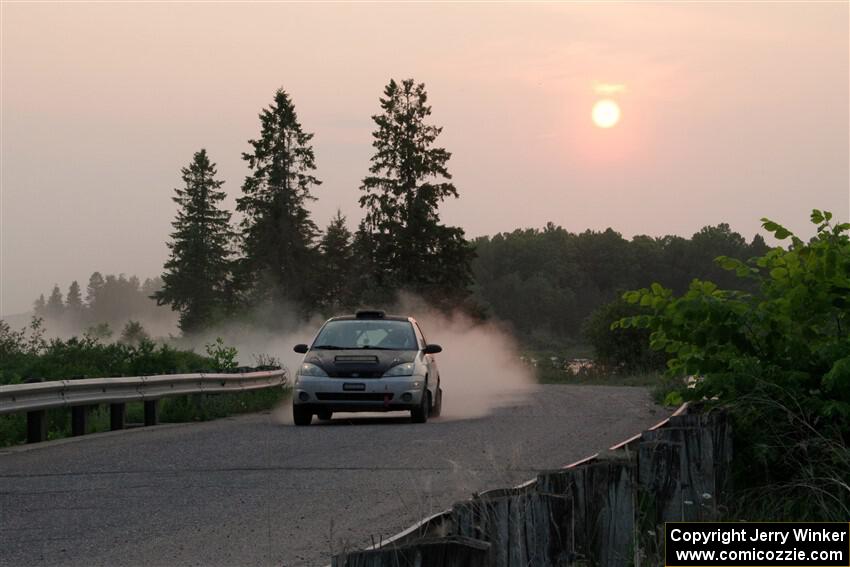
301, 415
438, 404
419, 414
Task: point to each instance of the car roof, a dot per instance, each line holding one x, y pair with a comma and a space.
384, 318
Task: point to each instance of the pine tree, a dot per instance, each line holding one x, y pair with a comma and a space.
277, 232
74, 299
74, 304
758, 247
39, 307
196, 274
55, 307
133, 334
334, 284
408, 245
95, 285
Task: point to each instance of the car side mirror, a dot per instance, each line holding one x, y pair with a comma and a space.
432, 349
301, 349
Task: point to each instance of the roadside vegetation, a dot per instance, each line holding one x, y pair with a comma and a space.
771, 345
774, 351
663, 388
26, 356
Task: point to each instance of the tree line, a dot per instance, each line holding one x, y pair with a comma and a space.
548, 283
110, 303
276, 259
551, 285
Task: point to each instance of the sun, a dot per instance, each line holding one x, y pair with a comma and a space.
606, 113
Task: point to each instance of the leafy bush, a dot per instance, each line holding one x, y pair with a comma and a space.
223, 357
26, 355
779, 358
621, 348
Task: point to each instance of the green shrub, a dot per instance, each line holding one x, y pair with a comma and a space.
26, 356
779, 358
621, 348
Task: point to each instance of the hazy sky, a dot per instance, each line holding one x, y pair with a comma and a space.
730, 112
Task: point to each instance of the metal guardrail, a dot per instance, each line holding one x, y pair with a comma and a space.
36, 398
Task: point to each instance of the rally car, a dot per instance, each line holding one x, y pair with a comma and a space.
369, 361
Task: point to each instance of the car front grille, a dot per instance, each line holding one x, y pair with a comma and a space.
355, 374
352, 396
356, 359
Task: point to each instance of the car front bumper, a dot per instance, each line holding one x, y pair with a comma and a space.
396, 393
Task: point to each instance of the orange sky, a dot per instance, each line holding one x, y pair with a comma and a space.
730, 112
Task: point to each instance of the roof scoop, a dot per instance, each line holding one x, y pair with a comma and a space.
370, 314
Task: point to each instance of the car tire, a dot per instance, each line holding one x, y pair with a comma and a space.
419, 414
301, 415
438, 405
325, 415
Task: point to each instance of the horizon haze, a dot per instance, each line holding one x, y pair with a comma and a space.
724, 113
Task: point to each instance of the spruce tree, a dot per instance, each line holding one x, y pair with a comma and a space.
74, 304
277, 232
95, 285
39, 307
335, 292
195, 278
409, 247
55, 307
74, 299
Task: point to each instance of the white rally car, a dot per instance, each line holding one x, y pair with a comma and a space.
369, 361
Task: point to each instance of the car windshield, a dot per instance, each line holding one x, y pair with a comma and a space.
381, 334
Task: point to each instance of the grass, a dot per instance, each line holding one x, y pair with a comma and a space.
549, 375
179, 409
664, 388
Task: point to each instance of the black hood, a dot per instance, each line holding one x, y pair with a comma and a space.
358, 363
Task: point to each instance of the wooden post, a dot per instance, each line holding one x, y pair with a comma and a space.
683, 475
601, 498
36, 426
522, 526
450, 551
151, 412
117, 413
79, 420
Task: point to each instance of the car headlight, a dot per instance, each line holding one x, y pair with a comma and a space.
405, 369
308, 369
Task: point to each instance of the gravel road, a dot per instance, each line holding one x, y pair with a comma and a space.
254, 490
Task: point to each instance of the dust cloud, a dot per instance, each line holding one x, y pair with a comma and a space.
480, 366
256, 339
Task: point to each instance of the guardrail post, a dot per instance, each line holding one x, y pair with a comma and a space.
151, 412
116, 416
79, 420
36, 426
